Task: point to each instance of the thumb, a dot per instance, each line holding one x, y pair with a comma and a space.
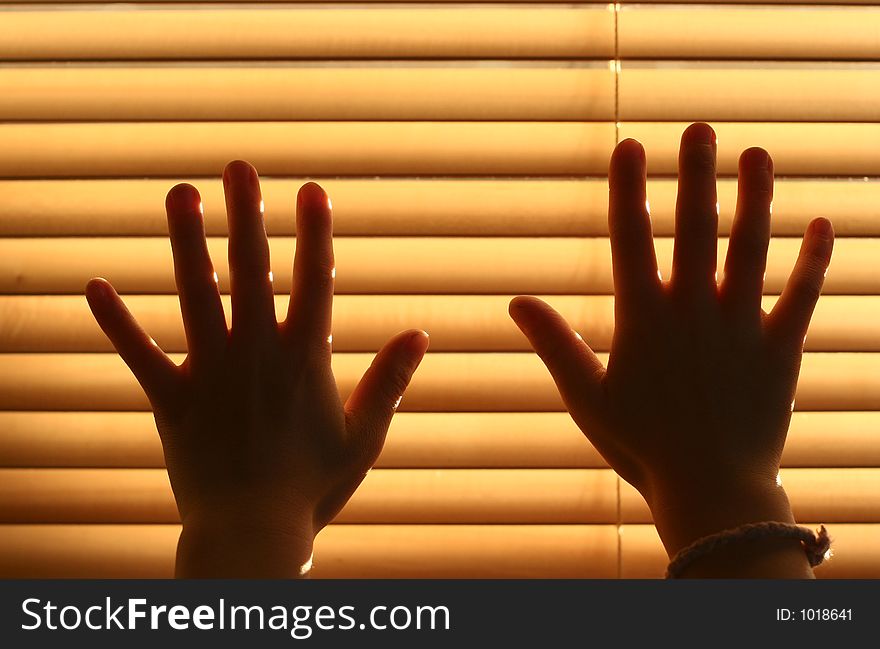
575, 368
374, 400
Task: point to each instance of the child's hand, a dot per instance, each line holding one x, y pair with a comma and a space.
695, 403
260, 451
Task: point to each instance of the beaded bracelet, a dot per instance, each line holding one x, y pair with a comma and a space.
816, 544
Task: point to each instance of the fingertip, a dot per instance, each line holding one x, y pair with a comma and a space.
515, 305
183, 197
183, 200
409, 342
627, 174
240, 170
822, 228
756, 158
419, 340
312, 195
819, 240
311, 186
102, 299
533, 315
522, 303
95, 283
630, 148
99, 289
700, 132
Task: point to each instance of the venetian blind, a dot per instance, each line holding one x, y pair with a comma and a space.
465, 147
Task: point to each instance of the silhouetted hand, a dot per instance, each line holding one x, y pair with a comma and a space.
260, 451
695, 403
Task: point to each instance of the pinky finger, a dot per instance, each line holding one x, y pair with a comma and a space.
149, 364
790, 318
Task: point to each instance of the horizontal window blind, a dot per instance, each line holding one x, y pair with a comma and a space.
465, 147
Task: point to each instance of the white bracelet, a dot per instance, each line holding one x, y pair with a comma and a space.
305, 568
816, 544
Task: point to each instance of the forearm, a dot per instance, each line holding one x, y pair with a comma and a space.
683, 517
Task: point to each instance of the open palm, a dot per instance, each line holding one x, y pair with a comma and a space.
261, 453
694, 405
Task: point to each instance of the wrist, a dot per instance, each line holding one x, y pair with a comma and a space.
684, 514
235, 546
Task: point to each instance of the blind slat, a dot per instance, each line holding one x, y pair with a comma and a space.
415, 440
397, 551
647, 91
353, 551
327, 31
421, 496
385, 496
826, 495
427, 440
797, 148
444, 382
742, 31
389, 92
397, 265
425, 207
315, 148
333, 31
458, 323
759, 92
119, 149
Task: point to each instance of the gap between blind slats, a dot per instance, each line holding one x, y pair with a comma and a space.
415, 440
398, 265
537, 496
458, 91
459, 323
397, 551
425, 207
415, 148
445, 382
